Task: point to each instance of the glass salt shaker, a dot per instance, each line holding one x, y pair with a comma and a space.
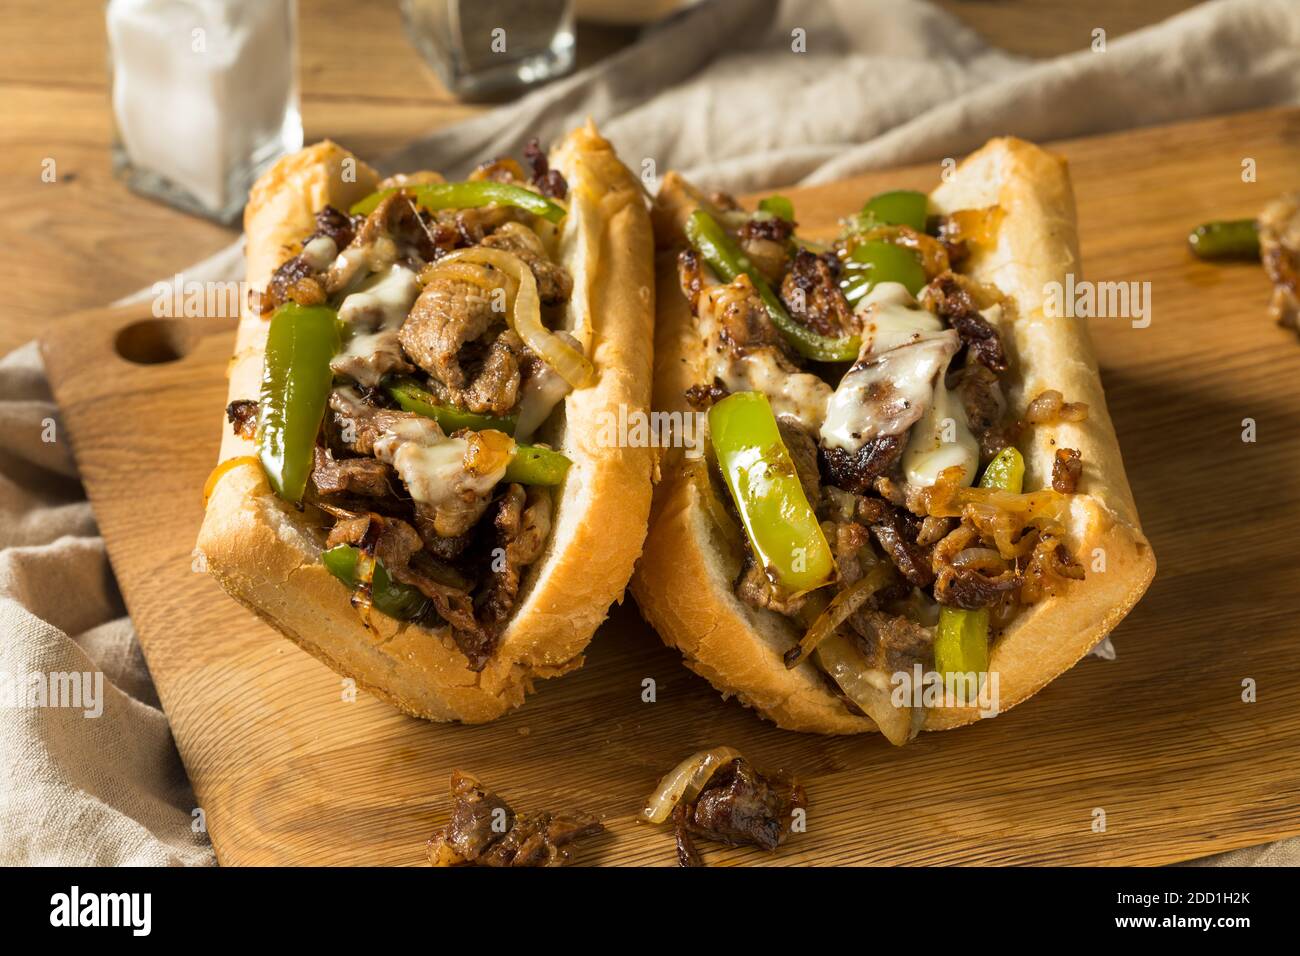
204, 97
481, 47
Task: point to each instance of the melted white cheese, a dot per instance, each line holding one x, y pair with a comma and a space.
383, 300
889, 325
941, 439
432, 465
888, 393
366, 356
540, 393
319, 253
799, 395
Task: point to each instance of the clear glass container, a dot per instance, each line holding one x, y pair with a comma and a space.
484, 47
204, 97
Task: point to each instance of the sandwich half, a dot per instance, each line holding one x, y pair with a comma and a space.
412, 484
911, 511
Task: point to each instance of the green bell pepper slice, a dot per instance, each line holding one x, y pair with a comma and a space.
873, 261
783, 530
961, 642
296, 381
412, 398
399, 601
899, 207
468, 195
1225, 239
778, 206
725, 258
532, 465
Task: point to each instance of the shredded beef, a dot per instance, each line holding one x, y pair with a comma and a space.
756, 589
687, 854
855, 471
554, 284
358, 476
952, 301
1067, 468
766, 243
389, 541
336, 225
548, 181
896, 534
703, 397
970, 590
847, 539
771, 228
522, 523
358, 425
891, 642
981, 397
740, 806
242, 415
454, 334
295, 281
811, 292
485, 831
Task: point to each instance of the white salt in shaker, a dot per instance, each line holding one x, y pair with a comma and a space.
205, 97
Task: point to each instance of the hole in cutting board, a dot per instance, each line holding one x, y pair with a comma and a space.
155, 341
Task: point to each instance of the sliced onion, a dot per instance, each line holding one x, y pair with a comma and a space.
838, 611
468, 272
869, 689
685, 781
979, 558
525, 314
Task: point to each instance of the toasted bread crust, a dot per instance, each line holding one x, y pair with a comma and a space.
684, 580
263, 555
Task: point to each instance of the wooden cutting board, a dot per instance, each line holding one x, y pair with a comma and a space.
290, 772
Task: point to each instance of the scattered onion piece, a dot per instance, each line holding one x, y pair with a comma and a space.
685, 781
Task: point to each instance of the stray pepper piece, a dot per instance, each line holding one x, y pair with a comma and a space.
468, 195
1226, 239
783, 529
296, 382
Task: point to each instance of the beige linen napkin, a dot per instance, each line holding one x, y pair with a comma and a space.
718, 91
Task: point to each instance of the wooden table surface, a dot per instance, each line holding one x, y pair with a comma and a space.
85, 240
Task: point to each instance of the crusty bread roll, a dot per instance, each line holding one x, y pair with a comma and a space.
268, 559
684, 582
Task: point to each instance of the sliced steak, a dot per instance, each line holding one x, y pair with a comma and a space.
811, 292
554, 284
741, 806
523, 523
357, 476
856, 471
951, 297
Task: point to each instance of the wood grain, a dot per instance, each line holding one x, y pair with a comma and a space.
289, 772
